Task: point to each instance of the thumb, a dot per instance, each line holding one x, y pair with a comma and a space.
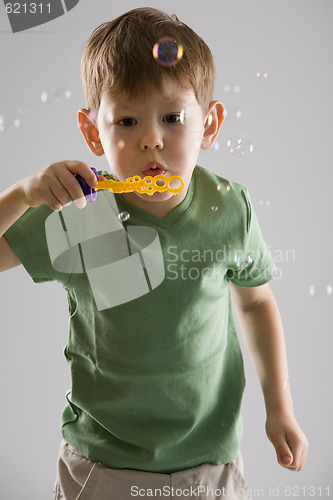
284, 455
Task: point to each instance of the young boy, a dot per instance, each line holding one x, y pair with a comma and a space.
157, 376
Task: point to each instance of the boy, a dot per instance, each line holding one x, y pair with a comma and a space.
157, 380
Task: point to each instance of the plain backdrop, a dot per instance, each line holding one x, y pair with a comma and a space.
275, 77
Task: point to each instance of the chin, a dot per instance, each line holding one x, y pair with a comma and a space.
156, 197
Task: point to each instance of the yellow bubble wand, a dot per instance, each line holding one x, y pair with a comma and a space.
148, 185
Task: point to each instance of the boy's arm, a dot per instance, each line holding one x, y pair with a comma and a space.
11, 208
262, 329
54, 185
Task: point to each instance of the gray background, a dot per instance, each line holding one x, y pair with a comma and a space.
286, 116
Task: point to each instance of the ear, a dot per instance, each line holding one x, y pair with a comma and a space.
214, 120
89, 130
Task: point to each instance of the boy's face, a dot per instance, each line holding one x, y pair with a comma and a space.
146, 136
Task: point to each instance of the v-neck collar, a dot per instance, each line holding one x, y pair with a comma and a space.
171, 218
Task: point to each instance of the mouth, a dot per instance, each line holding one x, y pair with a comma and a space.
154, 168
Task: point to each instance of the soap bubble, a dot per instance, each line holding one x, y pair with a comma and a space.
9, 122
92, 115
223, 188
123, 216
167, 51
192, 117
215, 209
228, 88
55, 95
109, 117
262, 75
243, 261
240, 146
264, 203
232, 112
321, 290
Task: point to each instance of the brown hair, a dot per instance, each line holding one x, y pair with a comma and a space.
118, 57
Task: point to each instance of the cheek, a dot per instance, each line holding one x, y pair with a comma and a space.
190, 147
114, 148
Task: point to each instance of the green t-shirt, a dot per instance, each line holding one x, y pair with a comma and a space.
157, 375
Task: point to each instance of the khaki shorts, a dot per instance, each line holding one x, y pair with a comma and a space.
82, 479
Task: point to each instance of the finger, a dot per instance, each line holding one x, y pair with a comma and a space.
298, 448
68, 189
61, 193
303, 457
53, 202
284, 455
81, 168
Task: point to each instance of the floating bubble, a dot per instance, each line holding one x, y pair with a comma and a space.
321, 290
236, 89
192, 117
222, 188
215, 208
55, 95
167, 51
262, 75
44, 97
243, 261
232, 112
109, 116
264, 203
216, 146
227, 87
9, 122
92, 115
123, 216
240, 146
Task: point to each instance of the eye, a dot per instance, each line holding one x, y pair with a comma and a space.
127, 122
172, 118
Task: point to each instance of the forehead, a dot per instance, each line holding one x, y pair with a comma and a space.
171, 92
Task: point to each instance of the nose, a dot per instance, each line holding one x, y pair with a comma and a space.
151, 138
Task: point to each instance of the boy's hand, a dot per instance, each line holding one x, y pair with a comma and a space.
56, 185
288, 440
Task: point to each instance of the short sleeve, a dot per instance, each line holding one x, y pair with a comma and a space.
252, 263
28, 240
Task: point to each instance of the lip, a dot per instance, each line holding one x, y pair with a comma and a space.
154, 168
